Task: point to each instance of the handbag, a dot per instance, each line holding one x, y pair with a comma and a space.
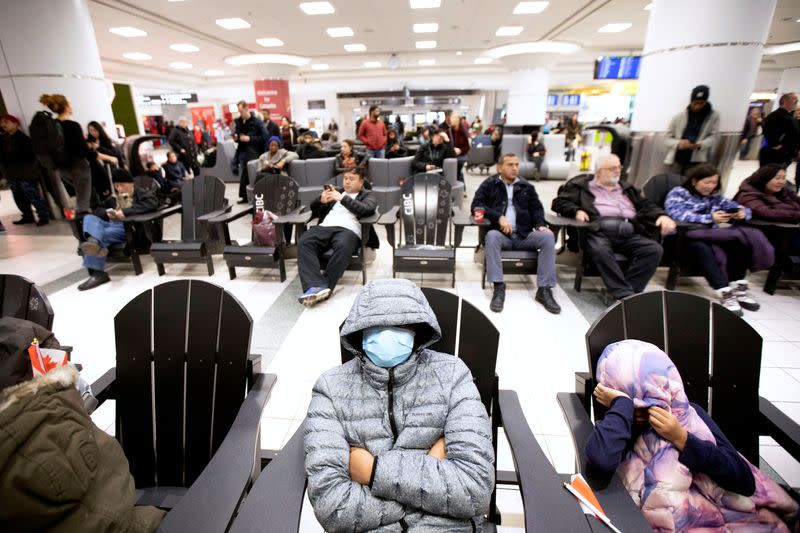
264, 232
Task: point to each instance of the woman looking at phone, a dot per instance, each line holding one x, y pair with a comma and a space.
722, 254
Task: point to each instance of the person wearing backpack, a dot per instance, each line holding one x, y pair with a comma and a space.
71, 160
20, 169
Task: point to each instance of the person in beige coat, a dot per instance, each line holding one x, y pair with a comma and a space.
692, 134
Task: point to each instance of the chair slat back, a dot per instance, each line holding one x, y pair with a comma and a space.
717, 354
199, 196
21, 298
657, 187
182, 350
425, 210
466, 333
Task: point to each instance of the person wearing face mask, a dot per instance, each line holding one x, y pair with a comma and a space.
622, 219
397, 438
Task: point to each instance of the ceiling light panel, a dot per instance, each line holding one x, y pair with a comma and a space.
424, 45
344, 31
184, 47
233, 23
782, 49
615, 27
356, 47
214, 72
424, 4
648, 7
508, 31
137, 56
181, 65
320, 66
317, 8
128, 31
372, 64
483, 60
530, 8
427, 62
262, 59
269, 42
427, 27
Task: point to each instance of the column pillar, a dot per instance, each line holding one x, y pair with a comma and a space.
62, 59
527, 96
718, 43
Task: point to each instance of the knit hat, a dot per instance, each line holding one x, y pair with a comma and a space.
120, 175
700, 93
276, 139
10, 118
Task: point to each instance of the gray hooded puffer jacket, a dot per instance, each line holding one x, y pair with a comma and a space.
397, 415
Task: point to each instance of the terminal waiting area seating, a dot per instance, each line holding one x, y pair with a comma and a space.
720, 372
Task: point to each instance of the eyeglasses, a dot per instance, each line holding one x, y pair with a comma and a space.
612, 169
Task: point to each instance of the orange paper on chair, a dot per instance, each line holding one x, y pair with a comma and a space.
43, 360
579, 484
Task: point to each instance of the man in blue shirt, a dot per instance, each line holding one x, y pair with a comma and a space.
517, 217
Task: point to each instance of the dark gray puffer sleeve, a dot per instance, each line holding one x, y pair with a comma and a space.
339, 503
459, 486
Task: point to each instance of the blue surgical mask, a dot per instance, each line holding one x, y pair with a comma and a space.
388, 347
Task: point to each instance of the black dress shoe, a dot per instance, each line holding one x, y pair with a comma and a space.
22, 221
498, 298
243, 201
43, 222
95, 280
544, 295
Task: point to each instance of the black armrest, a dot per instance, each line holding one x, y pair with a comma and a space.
294, 218
390, 217
462, 218
155, 215
232, 215
772, 224
103, 387
780, 427
276, 498
543, 496
370, 220
214, 214
558, 220
584, 389
211, 501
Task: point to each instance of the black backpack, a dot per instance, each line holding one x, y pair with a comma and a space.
47, 138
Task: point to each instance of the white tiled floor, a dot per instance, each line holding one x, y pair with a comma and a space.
538, 352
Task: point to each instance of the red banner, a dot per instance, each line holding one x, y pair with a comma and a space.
273, 95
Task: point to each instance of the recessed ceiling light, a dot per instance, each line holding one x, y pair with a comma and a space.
128, 31
317, 8
269, 42
782, 48
355, 47
458, 53
320, 66
214, 72
184, 47
530, 8
424, 4
428, 27
181, 65
483, 60
425, 44
537, 47
233, 23
344, 31
137, 56
260, 59
648, 7
372, 64
427, 62
507, 31
615, 27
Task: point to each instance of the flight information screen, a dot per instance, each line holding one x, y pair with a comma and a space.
617, 68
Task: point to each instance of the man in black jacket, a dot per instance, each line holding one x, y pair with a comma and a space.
339, 229
781, 132
19, 167
251, 136
273, 130
182, 142
432, 155
105, 228
621, 218
517, 217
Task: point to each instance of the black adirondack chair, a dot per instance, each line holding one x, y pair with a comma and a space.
272, 192
202, 199
787, 266
277, 496
425, 218
189, 398
22, 298
718, 355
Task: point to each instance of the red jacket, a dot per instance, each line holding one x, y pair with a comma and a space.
372, 134
459, 137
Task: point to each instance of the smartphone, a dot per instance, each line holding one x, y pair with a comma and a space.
732, 211
329, 187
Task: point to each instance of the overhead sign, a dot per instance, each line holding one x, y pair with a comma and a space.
273, 96
167, 99
316, 104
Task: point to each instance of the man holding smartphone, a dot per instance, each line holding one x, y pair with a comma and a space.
339, 229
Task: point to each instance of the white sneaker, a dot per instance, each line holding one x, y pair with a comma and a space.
728, 300
740, 291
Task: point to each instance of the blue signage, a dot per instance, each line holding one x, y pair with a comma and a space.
617, 68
